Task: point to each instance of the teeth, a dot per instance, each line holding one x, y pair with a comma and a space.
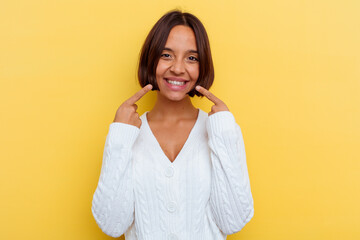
176, 82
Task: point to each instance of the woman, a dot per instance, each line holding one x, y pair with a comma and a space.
174, 172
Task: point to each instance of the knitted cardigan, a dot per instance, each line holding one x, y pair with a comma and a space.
204, 194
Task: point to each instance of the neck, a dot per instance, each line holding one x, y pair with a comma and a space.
166, 109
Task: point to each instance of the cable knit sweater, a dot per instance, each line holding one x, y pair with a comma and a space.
204, 194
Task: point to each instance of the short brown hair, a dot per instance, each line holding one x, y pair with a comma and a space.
155, 43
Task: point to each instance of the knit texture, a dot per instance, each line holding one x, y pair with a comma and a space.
204, 194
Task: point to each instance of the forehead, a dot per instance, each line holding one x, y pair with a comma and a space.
181, 37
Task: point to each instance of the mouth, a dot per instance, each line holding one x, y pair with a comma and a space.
176, 83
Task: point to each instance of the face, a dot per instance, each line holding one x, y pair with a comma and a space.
178, 68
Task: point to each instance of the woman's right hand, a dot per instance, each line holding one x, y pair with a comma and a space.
126, 113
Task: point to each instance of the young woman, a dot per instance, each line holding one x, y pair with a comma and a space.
174, 172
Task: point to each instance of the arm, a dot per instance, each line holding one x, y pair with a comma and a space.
230, 199
113, 200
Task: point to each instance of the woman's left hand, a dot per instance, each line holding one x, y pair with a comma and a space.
218, 104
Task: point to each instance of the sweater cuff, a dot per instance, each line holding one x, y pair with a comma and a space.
220, 122
123, 134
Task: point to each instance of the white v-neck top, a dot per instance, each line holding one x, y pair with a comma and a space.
204, 194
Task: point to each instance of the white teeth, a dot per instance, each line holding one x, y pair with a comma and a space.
176, 82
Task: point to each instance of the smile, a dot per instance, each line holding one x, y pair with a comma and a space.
177, 83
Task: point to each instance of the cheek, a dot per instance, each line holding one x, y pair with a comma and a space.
194, 72
161, 68
158, 70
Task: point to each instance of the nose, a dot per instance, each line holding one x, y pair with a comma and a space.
178, 66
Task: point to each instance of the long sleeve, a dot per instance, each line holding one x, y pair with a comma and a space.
113, 200
230, 198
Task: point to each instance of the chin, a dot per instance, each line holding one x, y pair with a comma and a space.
175, 96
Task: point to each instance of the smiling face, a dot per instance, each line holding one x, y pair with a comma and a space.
178, 68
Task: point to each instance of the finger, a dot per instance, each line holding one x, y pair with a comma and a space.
138, 123
208, 94
135, 106
137, 96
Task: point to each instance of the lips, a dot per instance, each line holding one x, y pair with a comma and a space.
177, 79
175, 83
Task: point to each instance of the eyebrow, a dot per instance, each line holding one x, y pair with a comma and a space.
191, 50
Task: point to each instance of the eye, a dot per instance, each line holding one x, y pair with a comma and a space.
165, 55
192, 58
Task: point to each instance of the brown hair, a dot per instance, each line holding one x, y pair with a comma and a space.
155, 43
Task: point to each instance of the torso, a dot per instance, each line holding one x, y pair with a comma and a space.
186, 182
172, 135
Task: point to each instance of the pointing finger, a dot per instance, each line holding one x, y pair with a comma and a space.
137, 96
208, 94
135, 107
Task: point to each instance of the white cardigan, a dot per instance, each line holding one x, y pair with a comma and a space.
204, 194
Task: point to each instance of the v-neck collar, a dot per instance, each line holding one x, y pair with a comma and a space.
184, 148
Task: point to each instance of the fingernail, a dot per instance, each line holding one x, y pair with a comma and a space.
197, 87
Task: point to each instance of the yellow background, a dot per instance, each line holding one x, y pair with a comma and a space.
288, 70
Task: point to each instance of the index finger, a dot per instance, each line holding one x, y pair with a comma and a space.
136, 97
208, 94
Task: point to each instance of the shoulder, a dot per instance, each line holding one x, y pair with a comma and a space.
219, 122
203, 114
